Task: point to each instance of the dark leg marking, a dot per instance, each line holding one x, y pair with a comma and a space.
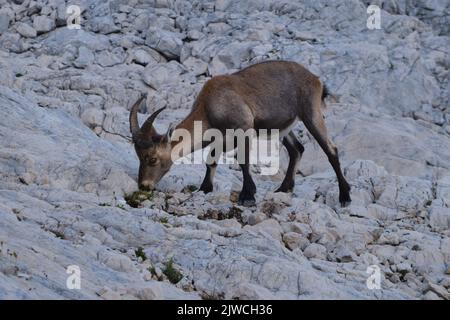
207, 184
295, 150
211, 166
247, 195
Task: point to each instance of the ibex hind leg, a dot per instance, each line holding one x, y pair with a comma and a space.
295, 150
315, 124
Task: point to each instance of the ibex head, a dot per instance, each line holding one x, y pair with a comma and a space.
152, 149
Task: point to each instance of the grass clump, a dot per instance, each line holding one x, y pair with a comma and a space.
136, 198
171, 272
139, 252
190, 188
104, 204
153, 272
164, 220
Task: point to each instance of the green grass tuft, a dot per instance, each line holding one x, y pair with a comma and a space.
136, 198
152, 270
120, 206
164, 220
139, 252
191, 188
172, 273
104, 204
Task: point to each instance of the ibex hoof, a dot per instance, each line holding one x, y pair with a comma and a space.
345, 204
285, 190
206, 188
345, 200
247, 203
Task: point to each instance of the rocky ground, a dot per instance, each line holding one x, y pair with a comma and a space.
68, 170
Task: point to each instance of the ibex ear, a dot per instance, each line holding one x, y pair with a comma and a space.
169, 132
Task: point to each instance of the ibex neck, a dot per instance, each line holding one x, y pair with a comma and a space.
193, 126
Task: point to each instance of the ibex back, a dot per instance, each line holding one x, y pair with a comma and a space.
267, 95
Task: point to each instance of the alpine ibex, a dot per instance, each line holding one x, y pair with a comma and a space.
267, 95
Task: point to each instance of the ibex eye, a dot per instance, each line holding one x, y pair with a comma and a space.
152, 160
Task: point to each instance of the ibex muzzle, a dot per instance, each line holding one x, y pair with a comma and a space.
268, 95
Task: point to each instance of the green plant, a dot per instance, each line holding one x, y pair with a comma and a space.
191, 188
120, 206
136, 198
139, 252
104, 204
152, 270
163, 220
58, 234
171, 272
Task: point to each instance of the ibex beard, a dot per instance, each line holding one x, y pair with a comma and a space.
271, 95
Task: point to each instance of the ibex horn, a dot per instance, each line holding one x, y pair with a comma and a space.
147, 128
134, 124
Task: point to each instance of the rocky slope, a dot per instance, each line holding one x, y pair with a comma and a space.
66, 162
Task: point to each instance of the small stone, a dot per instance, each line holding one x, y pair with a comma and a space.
447, 129
292, 240
261, 50
148, 276
221, 5
439, 290
166, 42
301, 228
256, 218
4, 22
230, 58
440, 218
343, 254
196, 66
159, 74
108, 294
107, 58
404, 267
115, 261
228, 223
219, 27
26, 30
304, 35
315, 250
279, 197
142, 57
104, 25
93, 117
85, 57
430, 295
43, 24
195, 34
271, 227
389, 238
394, 278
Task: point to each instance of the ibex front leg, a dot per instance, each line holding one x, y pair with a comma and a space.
247, 195
211, 166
